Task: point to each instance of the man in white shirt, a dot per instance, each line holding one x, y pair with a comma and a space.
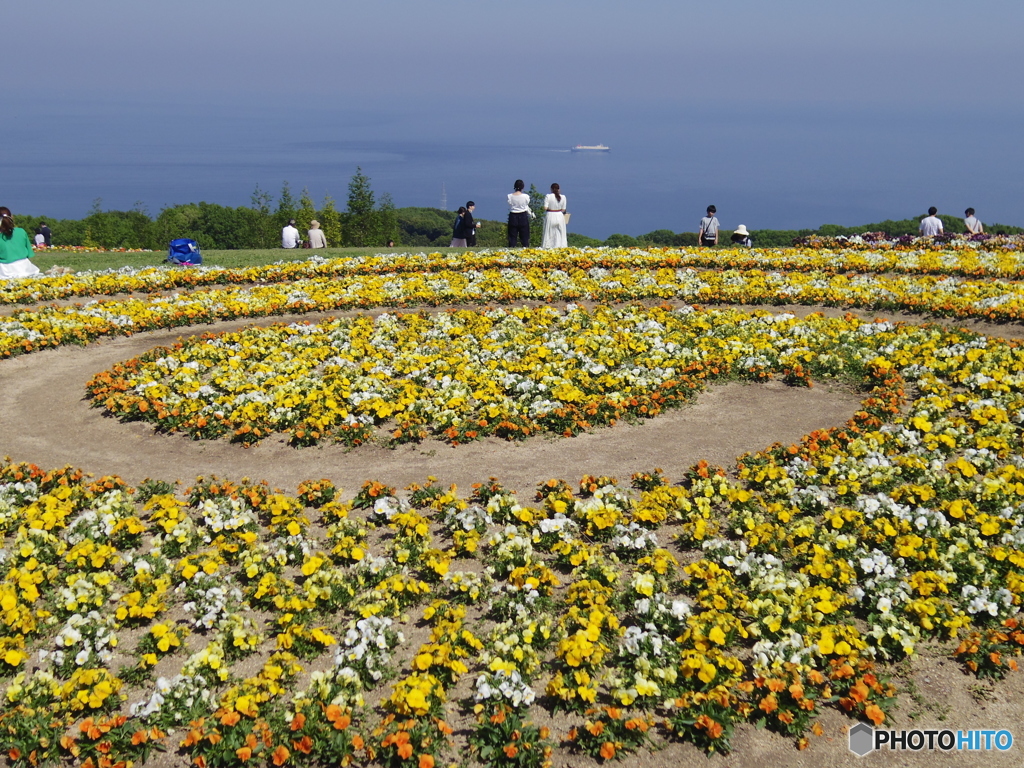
931, 225
974, 226
290, 235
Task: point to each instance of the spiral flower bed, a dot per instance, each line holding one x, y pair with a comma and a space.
236, 623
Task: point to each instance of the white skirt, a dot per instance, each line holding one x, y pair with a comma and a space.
554, 230
19, 268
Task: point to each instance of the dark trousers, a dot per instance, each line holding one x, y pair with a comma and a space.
519, 226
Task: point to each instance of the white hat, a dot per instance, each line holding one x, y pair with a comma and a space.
742, 230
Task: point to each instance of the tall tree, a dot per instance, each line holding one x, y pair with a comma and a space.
330, 221
306, 211
537, 222
262, 227
360, 221
286, 205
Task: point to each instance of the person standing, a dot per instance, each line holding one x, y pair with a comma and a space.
931, 225
974, 226
708, 234
471, 226
519, 215
317, 239
459, 231
554, 219
15, 249
290, 235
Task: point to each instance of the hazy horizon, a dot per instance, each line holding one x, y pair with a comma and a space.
786, 117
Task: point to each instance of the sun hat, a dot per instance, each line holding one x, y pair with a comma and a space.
314, 224
741, 230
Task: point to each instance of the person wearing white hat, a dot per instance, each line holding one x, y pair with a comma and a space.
742, 237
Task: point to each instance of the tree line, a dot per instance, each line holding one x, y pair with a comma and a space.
369, 220
366, 221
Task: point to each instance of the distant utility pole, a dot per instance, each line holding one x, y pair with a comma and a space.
444, 198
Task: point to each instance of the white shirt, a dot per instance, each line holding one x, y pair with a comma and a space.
973, 225
931, 226
518, 202
289, 237
551, 203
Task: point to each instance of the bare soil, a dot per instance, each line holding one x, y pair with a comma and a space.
46, 419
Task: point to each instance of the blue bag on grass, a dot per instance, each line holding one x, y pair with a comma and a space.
184, 251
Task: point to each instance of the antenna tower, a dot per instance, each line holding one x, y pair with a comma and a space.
444, 198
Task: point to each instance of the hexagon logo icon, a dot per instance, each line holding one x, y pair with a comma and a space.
862, 739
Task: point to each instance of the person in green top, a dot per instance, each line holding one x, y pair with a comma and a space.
15, 249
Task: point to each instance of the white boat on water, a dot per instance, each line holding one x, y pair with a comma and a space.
591, 148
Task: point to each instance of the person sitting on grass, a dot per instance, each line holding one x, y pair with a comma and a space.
15, 249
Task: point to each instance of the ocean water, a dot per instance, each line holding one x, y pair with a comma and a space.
780, 170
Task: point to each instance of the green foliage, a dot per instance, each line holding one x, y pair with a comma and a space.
537, 222
371, 222
622, 241
576, 240
306, 211
330, 221
367, 223
286, 205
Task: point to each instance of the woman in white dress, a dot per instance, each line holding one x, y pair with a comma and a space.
554, 219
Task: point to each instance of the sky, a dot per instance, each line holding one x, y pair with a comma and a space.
797, 109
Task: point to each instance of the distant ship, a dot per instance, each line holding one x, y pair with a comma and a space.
594, 148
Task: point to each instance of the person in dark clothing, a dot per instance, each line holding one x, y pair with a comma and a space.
45, 232
459, 231
469, 225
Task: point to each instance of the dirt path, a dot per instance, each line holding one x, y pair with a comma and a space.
45, 419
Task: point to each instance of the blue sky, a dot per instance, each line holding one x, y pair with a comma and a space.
858, 97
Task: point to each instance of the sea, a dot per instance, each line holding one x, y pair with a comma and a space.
778, 169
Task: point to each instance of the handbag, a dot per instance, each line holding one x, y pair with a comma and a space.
567, 215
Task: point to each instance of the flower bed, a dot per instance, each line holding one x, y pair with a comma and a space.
644, 610
965, 260
466, 375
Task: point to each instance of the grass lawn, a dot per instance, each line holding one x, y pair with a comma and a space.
115, 260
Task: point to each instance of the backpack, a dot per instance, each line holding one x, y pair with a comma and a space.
184, 251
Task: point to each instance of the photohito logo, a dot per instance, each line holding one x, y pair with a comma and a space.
865, 739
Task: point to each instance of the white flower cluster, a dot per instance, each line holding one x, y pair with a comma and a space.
506, 686
985, 600
387, 507
175, 701
366, 649
224, 514
633, 539
660, 611
510, 548
210, 600
772, 654
98, 521
87, 640
473, 518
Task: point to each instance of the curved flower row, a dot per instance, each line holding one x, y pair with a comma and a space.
26, 331
968, 260
465, 375
805, 569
